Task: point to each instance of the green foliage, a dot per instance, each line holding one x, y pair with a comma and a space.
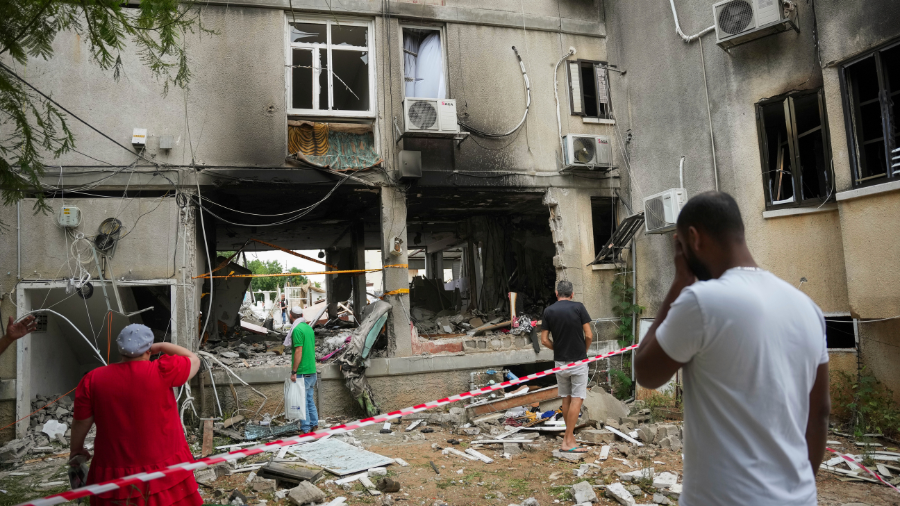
32, 126
624, 309
621, 384
865, 406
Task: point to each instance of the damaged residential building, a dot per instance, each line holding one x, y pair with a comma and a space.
471, 156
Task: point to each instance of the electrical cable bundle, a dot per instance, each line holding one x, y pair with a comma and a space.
482, 133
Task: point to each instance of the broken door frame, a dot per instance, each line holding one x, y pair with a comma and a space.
23, 345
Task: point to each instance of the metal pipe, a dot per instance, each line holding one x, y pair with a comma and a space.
633, 301
712, 137
687, 38
681, 173
556, 96
19, 240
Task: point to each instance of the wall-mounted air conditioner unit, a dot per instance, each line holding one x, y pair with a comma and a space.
740, 21
435, 115
661, 210
587, 151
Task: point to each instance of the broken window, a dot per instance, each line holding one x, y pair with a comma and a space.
330, 68
603, 217
872, 97
618, 241
796, 156
840, 332
423, 63
588, 89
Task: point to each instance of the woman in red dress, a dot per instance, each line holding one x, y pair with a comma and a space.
138, 427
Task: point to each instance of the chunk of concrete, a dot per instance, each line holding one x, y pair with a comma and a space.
305, 493
602, 405
597, 436
571, 457
647, 433
512, 448
638, 475
661, 500
205, 476
263, 485
617, 491
583, 492
531, 501
667, 430
665, 480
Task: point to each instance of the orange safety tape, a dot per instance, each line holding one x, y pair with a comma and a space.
39, 409
396, 292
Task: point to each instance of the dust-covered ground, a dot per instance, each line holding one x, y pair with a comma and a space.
534, 473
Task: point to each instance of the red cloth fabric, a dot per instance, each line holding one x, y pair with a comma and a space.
138, 430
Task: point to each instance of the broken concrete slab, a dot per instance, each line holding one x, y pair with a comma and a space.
665, 480
661, 500
205, 476
583, 492
640, 474
571, 457
512, 448
597, 436
305, 493
617, 491
263, 485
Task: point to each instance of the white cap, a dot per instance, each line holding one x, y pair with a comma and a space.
297, 312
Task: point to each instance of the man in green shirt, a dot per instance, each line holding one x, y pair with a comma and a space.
303, 365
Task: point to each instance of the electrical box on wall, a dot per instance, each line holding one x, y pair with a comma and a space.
69, 216
139, 138
410, 164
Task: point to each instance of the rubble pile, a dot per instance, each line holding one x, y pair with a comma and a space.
450, 323
48, 433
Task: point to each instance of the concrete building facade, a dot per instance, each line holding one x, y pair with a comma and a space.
516, 216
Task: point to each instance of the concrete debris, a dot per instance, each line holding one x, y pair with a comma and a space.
636, 475
617, 491
665, 480
263, 485
602, 405
583, 492
571, 457
305, 493
597, 436
661, 500
531, 501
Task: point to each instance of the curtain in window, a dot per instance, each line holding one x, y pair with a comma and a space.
430, 69
411, 44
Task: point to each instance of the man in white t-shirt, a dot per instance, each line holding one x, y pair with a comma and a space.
755, 363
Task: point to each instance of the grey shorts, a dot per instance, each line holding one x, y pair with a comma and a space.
572, 382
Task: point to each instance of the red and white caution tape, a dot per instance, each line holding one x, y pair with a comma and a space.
864, 468
139, 478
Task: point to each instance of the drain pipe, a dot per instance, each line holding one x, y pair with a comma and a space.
687, 38
556, 96
712, 137
681, 173
634, 301
19, 240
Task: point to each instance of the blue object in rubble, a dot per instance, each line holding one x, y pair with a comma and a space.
511, 377
548, 414
490, 371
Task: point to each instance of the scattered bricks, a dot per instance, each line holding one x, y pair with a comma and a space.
305, 493
512, 448
583, 492
263, 485
617, 491
665, 480
667, 430
597, 436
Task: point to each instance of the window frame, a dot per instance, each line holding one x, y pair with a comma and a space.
445, 65
328, 48
851, 112
793, 148
595, 63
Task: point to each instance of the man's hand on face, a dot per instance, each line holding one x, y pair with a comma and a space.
683, 273
21, 329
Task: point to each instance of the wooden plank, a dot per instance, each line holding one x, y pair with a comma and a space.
289, 473
544, 394
484, 328
207, 447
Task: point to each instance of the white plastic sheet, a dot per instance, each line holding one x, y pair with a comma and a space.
295, 399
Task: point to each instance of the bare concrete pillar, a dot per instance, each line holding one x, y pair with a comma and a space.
394, 252
358, 262
434, 266
472, 272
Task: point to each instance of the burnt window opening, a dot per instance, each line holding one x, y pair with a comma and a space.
330, 68
603, 219
423, 63
840, 332
794, 150
872, 101
588, 89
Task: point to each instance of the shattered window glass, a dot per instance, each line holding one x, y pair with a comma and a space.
309, 33
331, 76
347, 35
350, 80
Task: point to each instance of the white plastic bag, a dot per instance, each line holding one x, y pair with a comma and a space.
295, 399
